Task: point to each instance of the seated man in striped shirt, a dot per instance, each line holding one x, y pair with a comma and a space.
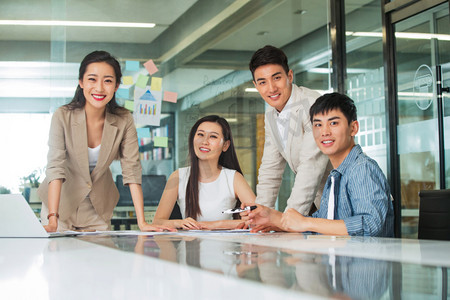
356, 197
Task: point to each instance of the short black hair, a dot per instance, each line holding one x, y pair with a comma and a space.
268, 55
331, 101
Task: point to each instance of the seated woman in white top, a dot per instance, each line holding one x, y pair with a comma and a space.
213, 182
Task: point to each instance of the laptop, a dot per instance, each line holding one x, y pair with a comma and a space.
19, 220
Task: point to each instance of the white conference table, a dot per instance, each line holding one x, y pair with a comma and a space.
190, 265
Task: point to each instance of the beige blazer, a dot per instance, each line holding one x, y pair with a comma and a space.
302, 155
68, 160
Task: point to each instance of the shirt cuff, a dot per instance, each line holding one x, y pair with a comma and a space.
354, 225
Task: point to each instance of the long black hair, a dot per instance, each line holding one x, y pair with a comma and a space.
227, 159
79, 100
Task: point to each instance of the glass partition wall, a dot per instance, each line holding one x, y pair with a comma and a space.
202, 49
365, 77
422, 45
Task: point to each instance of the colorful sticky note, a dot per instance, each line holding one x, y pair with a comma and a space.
123, 93
132, 65
170, 97
128, 80
156, 84
150, 66
129, 105
143, 132
142, 81
161, 141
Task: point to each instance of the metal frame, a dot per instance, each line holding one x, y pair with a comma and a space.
412, 8
338, 48
390, 79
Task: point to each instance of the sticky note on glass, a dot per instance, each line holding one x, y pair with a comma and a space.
143, 132
142, 81
170, 97
123, 93
151, 67
161, 141
132, 65
129, 105
156, 84
128, 80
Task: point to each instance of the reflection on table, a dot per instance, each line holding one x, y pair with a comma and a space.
201, 266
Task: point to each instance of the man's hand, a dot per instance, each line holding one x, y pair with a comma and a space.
293, 221
264, 228
263, 219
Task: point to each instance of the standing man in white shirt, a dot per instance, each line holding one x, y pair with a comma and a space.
288, 134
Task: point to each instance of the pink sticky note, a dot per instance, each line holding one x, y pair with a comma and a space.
170, 97
150, 66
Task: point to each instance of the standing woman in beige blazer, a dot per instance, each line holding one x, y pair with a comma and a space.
86, 135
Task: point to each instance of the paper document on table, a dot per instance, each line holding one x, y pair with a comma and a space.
118, 232
134, 232
216, 232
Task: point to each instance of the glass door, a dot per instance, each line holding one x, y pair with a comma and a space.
422, 45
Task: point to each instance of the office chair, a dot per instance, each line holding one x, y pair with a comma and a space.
434, 215
152, 188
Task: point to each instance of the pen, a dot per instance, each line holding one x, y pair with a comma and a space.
238, 210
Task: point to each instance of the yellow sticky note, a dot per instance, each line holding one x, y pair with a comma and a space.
129, 105
127, 80
156, 84
161, 141
142, 81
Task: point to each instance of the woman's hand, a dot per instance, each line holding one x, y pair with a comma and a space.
50, 228
242, 225
52, 225
206, 225
189, 224
147, 227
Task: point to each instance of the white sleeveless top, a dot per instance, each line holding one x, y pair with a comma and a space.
93, 157
214, 197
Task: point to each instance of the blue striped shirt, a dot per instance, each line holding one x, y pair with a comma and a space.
362, 196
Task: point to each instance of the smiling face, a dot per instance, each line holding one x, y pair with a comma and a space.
273, 84
209, 141
334, 135
99, 85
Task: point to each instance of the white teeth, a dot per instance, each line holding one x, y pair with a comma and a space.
98, 97
204, 149
274, 96
327, 142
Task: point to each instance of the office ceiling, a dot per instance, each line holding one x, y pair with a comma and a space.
215, 36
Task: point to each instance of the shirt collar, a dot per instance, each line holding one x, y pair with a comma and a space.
351, 157
284, 113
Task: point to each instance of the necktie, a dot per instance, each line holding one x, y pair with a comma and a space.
330, 214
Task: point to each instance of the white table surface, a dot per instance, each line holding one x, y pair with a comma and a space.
222, 266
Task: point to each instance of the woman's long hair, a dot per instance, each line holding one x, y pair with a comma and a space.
227, 159
79, 100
